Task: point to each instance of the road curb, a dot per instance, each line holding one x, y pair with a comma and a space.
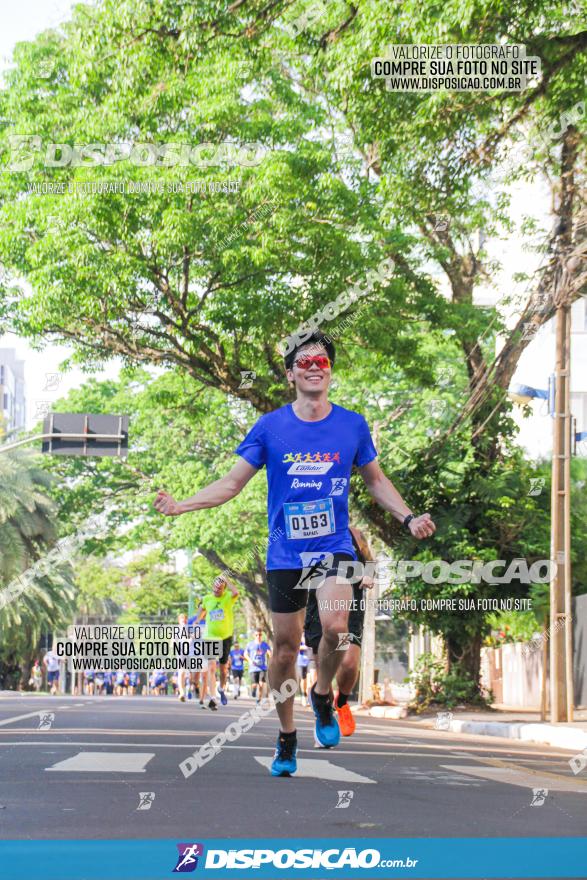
396, 712
548, 734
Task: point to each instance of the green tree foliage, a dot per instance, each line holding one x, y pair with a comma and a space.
349, 174
43, 599
145, 588
100, 590
155, 589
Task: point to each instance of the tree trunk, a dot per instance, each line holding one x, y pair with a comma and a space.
465, 657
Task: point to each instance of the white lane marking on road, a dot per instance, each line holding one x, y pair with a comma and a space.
513, 776
161, 745
116, 731
21, 718
321, 769
104, 762
437, 776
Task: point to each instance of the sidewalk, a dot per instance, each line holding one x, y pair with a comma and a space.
519, 724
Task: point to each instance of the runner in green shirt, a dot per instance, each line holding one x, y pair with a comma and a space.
218, 609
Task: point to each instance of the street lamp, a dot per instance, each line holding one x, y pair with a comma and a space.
523, 394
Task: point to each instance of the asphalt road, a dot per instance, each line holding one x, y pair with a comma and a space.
82, 777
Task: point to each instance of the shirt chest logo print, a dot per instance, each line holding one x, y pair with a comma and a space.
310, 462
306, 484
338, 485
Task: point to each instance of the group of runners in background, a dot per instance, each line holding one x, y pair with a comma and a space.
215, 620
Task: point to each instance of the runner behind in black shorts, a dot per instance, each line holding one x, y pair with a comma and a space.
348, 671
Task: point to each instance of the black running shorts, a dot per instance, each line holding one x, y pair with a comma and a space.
226, 646
284, 596
313, 628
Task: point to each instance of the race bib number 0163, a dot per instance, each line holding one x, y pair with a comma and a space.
309, 519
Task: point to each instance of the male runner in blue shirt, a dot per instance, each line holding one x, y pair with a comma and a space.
302, 662
257, 653
236, 659
309, 448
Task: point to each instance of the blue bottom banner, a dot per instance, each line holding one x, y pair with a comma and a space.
316, 858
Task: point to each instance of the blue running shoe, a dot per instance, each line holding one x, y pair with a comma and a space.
223, 697
327, 731
284, 760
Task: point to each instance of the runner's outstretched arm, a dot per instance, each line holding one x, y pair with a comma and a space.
385, 494
231, 587
213, 495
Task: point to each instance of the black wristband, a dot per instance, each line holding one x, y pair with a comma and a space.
408, 520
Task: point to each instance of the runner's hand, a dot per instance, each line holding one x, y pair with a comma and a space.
167, 505
422, 526
367, 582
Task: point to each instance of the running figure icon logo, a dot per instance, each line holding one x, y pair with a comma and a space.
338, 485
314, 570
539, 795
46, 719
344, 799
536, 485
443, 720
188, 857
51, 381
344, 641
146, 799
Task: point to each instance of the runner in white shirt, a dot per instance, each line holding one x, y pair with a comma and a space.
51, 662
183, 678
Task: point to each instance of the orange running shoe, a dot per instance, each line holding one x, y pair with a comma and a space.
346, 720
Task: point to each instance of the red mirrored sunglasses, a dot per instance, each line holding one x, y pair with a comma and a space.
304, 362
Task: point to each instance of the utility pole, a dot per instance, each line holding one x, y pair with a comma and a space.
370, 598
561, 632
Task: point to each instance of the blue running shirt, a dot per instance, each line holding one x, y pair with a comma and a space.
237, 659
308, 473
257, 654
303, 659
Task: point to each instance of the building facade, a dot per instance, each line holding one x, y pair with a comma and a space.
12, 392
535, 368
